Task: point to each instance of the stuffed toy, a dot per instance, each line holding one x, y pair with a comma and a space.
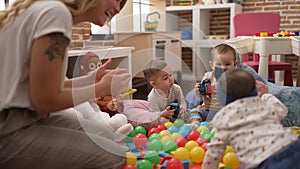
108, 104
88, 62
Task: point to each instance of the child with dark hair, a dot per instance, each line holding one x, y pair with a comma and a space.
251, 123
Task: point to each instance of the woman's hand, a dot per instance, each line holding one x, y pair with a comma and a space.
102, 70
112, 83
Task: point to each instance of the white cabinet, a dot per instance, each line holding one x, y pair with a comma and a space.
199, 23
150, 45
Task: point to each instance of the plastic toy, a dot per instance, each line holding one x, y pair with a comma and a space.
161, 127
144, 164
182, 153
197, 154
178, 123
173, 129
152, 130
193, 135
170, 146
175, 106
155, 145
191, 144
131, 158
152, 156
230, 160
140, 141
168, 124
205, 87
174, 164
140, 130
181, 141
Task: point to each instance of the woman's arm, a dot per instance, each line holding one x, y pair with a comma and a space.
45, 82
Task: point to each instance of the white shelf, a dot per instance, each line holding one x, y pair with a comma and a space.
200, 26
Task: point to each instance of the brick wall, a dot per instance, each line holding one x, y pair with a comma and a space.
80, 33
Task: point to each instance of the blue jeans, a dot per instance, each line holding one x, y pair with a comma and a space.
201, 114
287, 159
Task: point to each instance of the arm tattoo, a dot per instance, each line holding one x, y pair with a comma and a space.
57, 46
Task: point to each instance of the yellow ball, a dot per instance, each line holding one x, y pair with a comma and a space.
201, 128
164, 139
182, 153
175, 136
228, 149
164, 133
197, 154
191, 144
168, 124
131, 158
230, 160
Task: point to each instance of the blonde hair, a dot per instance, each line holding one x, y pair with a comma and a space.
76, 7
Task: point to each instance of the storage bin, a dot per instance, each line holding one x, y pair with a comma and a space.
296, 45
186, 34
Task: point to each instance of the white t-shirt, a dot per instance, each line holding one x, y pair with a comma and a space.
16, 38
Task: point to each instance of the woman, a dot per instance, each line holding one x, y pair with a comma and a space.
34, 35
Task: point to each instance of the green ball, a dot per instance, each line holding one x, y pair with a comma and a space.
204, 132
178, 123
144, 164
170, 146
140, 130
154, 136
153, 157
130, 136
155, 145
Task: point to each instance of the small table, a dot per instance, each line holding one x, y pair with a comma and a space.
265, 46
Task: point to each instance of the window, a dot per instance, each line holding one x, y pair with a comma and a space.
140, 10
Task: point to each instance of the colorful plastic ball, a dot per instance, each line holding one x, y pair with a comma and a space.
144, 164
193, 135
191, 144
208, 136
140, 141
197, 154
175, 136
181, 141
164, 133
178, 123
182, 153
230, 160
155, 145
173, 129
204, 123
152, 156
200, 128
168, 124
129, 167
140, 130
153, 130
185, 128
131, 158
170, 146
204, 132
164, 139
174, 164
201, 141
129, 138
161, 127
154, 136
228, 149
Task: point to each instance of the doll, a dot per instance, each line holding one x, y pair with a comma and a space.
88, 62
108, 104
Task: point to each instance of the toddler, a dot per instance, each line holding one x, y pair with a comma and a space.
223, 57
165, 94
251, 123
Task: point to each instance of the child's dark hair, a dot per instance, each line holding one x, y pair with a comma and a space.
221, 49
152, 68
235, 84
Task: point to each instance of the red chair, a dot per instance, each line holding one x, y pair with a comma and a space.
248, 24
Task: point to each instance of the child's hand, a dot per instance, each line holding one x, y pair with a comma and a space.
261, 88
167, 112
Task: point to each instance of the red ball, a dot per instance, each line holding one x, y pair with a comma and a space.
200, 140
204, 146
180, 141
193, 135
129, 167
162, 127
174, 164
140, 141
153, 130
